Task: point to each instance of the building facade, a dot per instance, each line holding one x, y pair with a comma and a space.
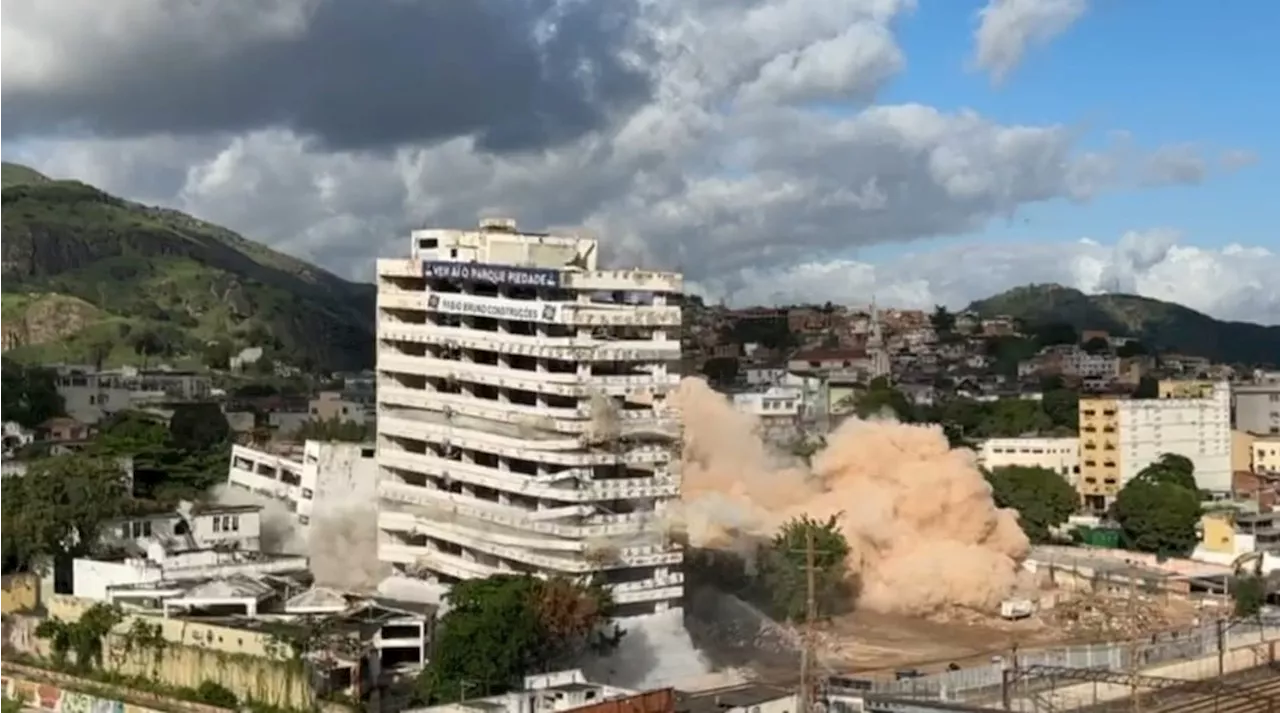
1120, 437
523, 422
1060, 455
1256, 407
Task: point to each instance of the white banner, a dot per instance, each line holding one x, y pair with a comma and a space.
515, 310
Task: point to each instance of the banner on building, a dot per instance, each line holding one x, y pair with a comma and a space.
515, 310
492, 274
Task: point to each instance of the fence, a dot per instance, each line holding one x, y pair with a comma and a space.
1118, 656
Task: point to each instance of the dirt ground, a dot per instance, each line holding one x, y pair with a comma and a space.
870, 642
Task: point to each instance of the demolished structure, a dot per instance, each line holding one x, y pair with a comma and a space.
523, 423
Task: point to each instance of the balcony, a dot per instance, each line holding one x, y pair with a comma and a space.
555, 451
557, 384
560, 420
574, 349
590, 560
524, 526
572, 486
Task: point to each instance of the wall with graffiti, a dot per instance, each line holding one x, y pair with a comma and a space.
51, 697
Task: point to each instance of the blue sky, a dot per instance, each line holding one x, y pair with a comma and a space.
1167, 72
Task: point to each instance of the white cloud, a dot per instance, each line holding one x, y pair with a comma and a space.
1233, 282
1008, 28
755, 143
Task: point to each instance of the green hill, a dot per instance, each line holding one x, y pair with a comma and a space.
86, 274
13, 174
1165, 326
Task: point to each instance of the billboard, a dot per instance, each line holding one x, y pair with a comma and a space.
492, 274
516, 310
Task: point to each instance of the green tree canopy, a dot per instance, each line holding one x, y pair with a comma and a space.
502, 628
1248, 594
1171, 468
942, 319
1158, 515
782, 578
1051, 333
59, 507
335, 429
1042, 498
1097, 345
1062, 406
881, 398
29, 394
177, 460
1131, 348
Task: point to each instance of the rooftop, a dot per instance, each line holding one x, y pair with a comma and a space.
723, 699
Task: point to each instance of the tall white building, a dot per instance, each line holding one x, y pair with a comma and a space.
1121, 437
523, 423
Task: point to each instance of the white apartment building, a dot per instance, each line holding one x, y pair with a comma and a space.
522, 416
1060, 455
347, 469
1198, 428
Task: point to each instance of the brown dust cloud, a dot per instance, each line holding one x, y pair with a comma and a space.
924, 531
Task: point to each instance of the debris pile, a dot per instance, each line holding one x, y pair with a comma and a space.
1112, 618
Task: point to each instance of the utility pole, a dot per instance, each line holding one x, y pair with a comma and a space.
811, 613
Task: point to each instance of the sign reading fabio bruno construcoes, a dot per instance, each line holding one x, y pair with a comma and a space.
493, 274
515, 310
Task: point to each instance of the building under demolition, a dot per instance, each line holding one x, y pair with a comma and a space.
523, 423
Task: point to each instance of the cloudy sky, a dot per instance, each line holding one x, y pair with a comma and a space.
919, 150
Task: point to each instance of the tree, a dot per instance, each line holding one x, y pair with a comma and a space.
1157, 515
29, 394
1248, 594
942, 319
1062, 406
1051, 333
501, 628
1097, 345
1131, 348
175, 460
782, 579
198, 427
879, 398
1171, 468
335, 429
217, 355
1148, 388
59, 507
1014, 417
1043, 499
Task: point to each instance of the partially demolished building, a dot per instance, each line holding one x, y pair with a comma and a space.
523, 423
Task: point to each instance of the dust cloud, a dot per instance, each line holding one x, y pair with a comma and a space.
340, 542
279, 530
924, 531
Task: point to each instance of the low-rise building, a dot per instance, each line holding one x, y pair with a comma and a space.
1060, 455
190, 527
304, 476
556, 692
333, 406
1265, 454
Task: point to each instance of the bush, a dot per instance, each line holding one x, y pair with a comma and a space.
215, 694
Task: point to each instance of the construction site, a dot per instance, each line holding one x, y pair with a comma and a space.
955, 609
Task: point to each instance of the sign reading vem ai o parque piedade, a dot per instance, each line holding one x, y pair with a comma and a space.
493, 274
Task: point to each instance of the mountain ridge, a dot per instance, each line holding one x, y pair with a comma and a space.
165, 283
1166, 326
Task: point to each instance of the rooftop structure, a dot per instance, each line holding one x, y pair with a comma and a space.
523, 423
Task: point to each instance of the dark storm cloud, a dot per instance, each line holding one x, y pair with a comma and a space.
370, 74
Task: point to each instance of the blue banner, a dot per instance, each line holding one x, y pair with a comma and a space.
492, 274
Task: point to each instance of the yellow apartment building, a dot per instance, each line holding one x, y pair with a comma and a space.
1265, 454
1185, 389
1099, 452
